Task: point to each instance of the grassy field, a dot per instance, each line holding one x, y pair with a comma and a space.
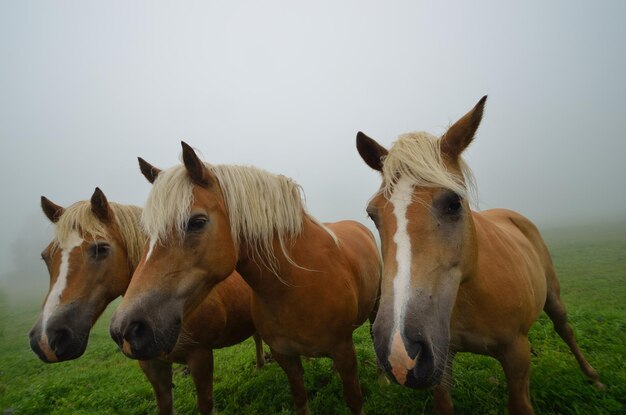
592, 270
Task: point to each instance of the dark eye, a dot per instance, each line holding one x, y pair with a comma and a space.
99, 250
453, 204
373, 215
197, 223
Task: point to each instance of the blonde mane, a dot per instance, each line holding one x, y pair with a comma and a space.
417, 156
259, 204
79, 217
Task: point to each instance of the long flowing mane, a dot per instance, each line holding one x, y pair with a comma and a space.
259, 204
79, 217
417, 156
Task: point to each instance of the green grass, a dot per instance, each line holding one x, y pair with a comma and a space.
592, 271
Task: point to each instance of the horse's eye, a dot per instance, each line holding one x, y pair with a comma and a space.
373, 215
197, 223
453, 205
99, 250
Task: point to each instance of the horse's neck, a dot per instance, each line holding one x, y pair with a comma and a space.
132, 265
471, 243
483, 236
290, 272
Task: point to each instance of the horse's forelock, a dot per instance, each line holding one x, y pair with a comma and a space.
80, 218
417, 157
168, 204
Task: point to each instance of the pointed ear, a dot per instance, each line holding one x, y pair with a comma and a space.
100, 206
195, 167
52, 211
461, 134
371, 152
148, 170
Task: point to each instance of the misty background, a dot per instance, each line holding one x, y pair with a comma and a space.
86, 87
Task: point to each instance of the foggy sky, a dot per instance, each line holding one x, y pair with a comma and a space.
86, 87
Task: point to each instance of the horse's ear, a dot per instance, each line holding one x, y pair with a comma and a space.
195, 167
371, 152
51, 210
461, 134
148, 170
100, 205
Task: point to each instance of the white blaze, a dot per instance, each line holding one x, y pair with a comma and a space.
401, 199
54, 298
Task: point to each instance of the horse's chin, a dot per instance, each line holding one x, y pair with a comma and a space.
417, 379
161, 349
73, 355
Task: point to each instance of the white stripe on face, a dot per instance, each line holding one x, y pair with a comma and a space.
54, 298
401, 199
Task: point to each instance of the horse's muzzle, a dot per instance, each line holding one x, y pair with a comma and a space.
410, 362
426, 372
138, 340
58, 345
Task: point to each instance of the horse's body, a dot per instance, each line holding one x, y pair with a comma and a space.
505, 238
312, 284
455, 280
281, 307
98, 270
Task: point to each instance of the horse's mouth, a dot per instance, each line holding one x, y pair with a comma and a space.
43, 351
49, 354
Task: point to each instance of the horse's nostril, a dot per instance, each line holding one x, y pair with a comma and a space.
138, 340
135, 330
60, 337
414, 349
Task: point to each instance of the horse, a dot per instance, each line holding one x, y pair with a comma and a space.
91, 259
312, 284
455, 280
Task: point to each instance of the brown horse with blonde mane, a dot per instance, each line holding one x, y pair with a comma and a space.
91, 259
455, 280
313, 284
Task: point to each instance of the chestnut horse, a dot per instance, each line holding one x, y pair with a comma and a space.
455, 280
313, 284
96, 249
